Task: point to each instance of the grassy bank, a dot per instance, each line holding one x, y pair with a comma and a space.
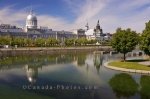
130, 65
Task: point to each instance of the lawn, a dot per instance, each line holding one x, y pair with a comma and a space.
131, 64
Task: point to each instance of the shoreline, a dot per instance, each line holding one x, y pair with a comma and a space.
49, 50
126, 70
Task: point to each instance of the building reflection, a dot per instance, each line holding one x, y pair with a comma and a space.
31, 64
32, 73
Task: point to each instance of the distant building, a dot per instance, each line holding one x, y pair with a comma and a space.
80, 33
97, 33
10, 28
32, 31
31, 21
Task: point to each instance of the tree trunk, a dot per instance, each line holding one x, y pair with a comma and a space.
124, 57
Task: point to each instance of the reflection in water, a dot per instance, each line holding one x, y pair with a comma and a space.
72, 69
98, 60
81, 59
145, 87
32, 63
123, 85
32, 73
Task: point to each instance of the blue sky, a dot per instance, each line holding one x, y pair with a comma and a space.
74, 14
49, 7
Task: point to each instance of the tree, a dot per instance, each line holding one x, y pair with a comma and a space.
18, 41
5, 40
91, 41
29, 42
69, 42
40, 42
124, 41
81, 41
145, 39
51, 42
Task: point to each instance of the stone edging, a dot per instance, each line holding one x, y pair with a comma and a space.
126, 70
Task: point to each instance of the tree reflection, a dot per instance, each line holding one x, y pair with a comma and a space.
81, 59
123, 85
98, 60
145, 87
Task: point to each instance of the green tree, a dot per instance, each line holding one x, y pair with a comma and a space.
145, 39
5, 40
81, 41
29, 42
54, 42
18, 41
51, 42
124, 41
91, 41
69, 42
40, 42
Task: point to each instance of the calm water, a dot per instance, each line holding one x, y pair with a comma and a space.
68, 76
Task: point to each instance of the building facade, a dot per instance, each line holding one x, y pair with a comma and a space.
80, 33
32, 31
97, 33
31, 21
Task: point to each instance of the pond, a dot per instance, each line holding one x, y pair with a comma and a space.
68, 76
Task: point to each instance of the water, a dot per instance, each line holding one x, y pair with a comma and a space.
68, 76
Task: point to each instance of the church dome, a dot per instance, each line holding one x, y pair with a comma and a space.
31, 17
31, 21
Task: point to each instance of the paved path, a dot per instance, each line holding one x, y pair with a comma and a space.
145, 63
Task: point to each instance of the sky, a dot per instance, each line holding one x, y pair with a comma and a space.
74, 14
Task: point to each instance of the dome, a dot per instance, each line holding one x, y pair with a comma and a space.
31, 21
31, 17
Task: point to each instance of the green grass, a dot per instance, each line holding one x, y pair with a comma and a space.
131, 64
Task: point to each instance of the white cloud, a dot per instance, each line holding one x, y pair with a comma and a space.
9, 16
111, 13
52, 22
114, 13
